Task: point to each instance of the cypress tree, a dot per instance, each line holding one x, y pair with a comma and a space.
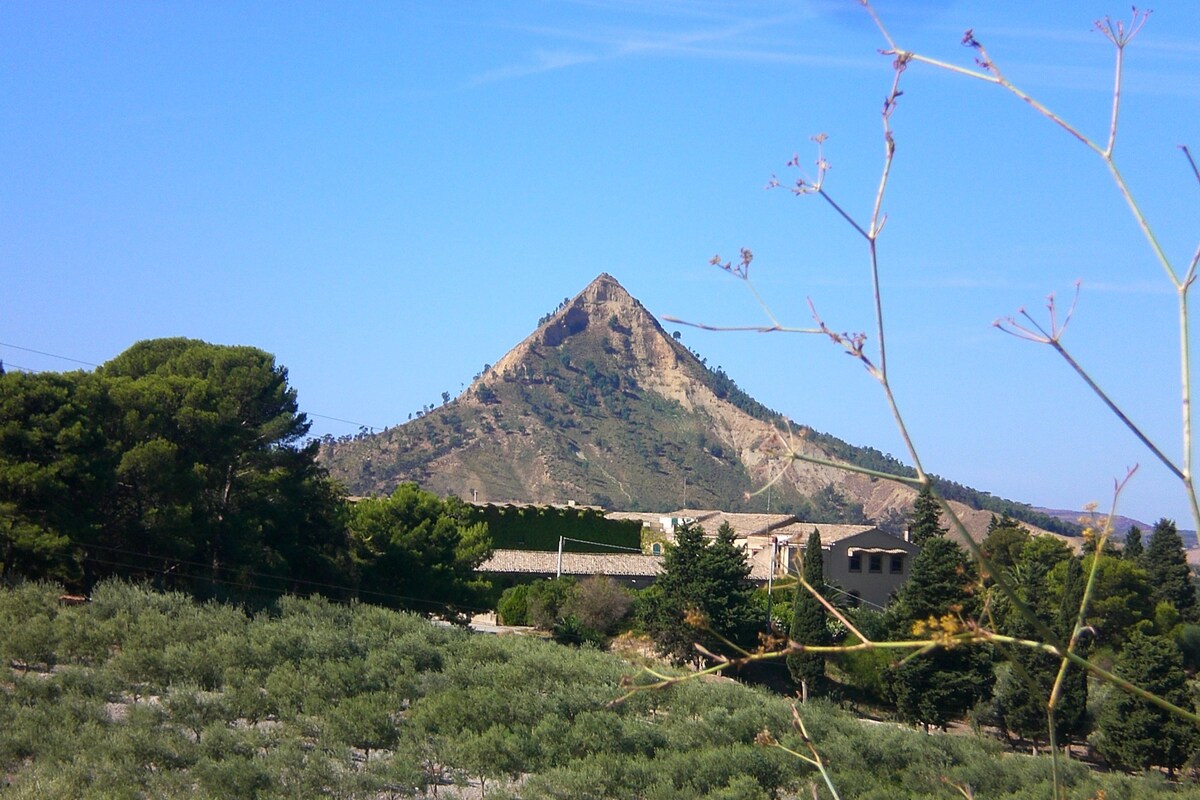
1170, 576
1136, 733
926, 518
1071, 718
808, 622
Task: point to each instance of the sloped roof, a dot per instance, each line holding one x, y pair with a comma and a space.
545, 562
760, 564
743, 524
799, 531
647, 518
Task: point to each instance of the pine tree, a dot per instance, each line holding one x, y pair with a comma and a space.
702, 595
808, 622
941, 582
1170, 577
926, 518
939, 687
1005, 520
1136, 733
942, 685
1133, 545
1022, 698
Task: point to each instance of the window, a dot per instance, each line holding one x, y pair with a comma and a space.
897, 565
876, 563
656, 549
856, 563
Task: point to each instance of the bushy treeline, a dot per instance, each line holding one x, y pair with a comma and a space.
1143, 620
154, 694
184, 463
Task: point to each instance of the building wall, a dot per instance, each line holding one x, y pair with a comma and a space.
874, 587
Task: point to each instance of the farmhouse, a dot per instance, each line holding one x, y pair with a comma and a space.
864, 563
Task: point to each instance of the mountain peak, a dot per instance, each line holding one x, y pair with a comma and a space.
599, 404
595, 325
603, 280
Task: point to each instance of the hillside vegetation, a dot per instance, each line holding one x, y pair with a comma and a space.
142, 693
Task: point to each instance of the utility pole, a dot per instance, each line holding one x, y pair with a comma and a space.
771, 577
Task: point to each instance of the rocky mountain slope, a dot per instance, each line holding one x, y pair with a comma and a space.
599, 405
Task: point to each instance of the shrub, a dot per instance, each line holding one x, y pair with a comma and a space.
599, 603
513, 607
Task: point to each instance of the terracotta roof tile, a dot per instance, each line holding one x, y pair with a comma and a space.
543, 562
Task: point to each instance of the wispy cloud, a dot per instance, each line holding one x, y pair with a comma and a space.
542, 61
726, 37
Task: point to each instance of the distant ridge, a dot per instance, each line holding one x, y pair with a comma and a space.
600, 405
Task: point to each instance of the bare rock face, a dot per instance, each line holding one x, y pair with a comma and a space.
600, 405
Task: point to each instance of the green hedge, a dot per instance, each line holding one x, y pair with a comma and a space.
539, 527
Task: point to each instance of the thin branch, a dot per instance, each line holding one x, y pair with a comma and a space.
838, 615
1116, 410
985, 61
1185, 371
1116, 104
889, 106
933, 62
1190, 276
843, 213
733, 328
1032, 331
1192, 161
1143, 224
891, 476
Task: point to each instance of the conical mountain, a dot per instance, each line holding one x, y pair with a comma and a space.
599, 405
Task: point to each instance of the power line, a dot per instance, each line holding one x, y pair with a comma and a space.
347, 421
18, 367
51, 355
602, 544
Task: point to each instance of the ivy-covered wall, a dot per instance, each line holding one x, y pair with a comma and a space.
539, 527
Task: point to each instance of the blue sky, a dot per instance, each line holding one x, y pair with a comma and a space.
387, 196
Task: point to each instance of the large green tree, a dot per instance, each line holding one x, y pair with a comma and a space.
1003, 546
939, 686
809, 621
1120, 599
702, 596
943, 580
1071, 715
1023, 693
417, 550
1136, 734
1165, 561
57, 470
177, 460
